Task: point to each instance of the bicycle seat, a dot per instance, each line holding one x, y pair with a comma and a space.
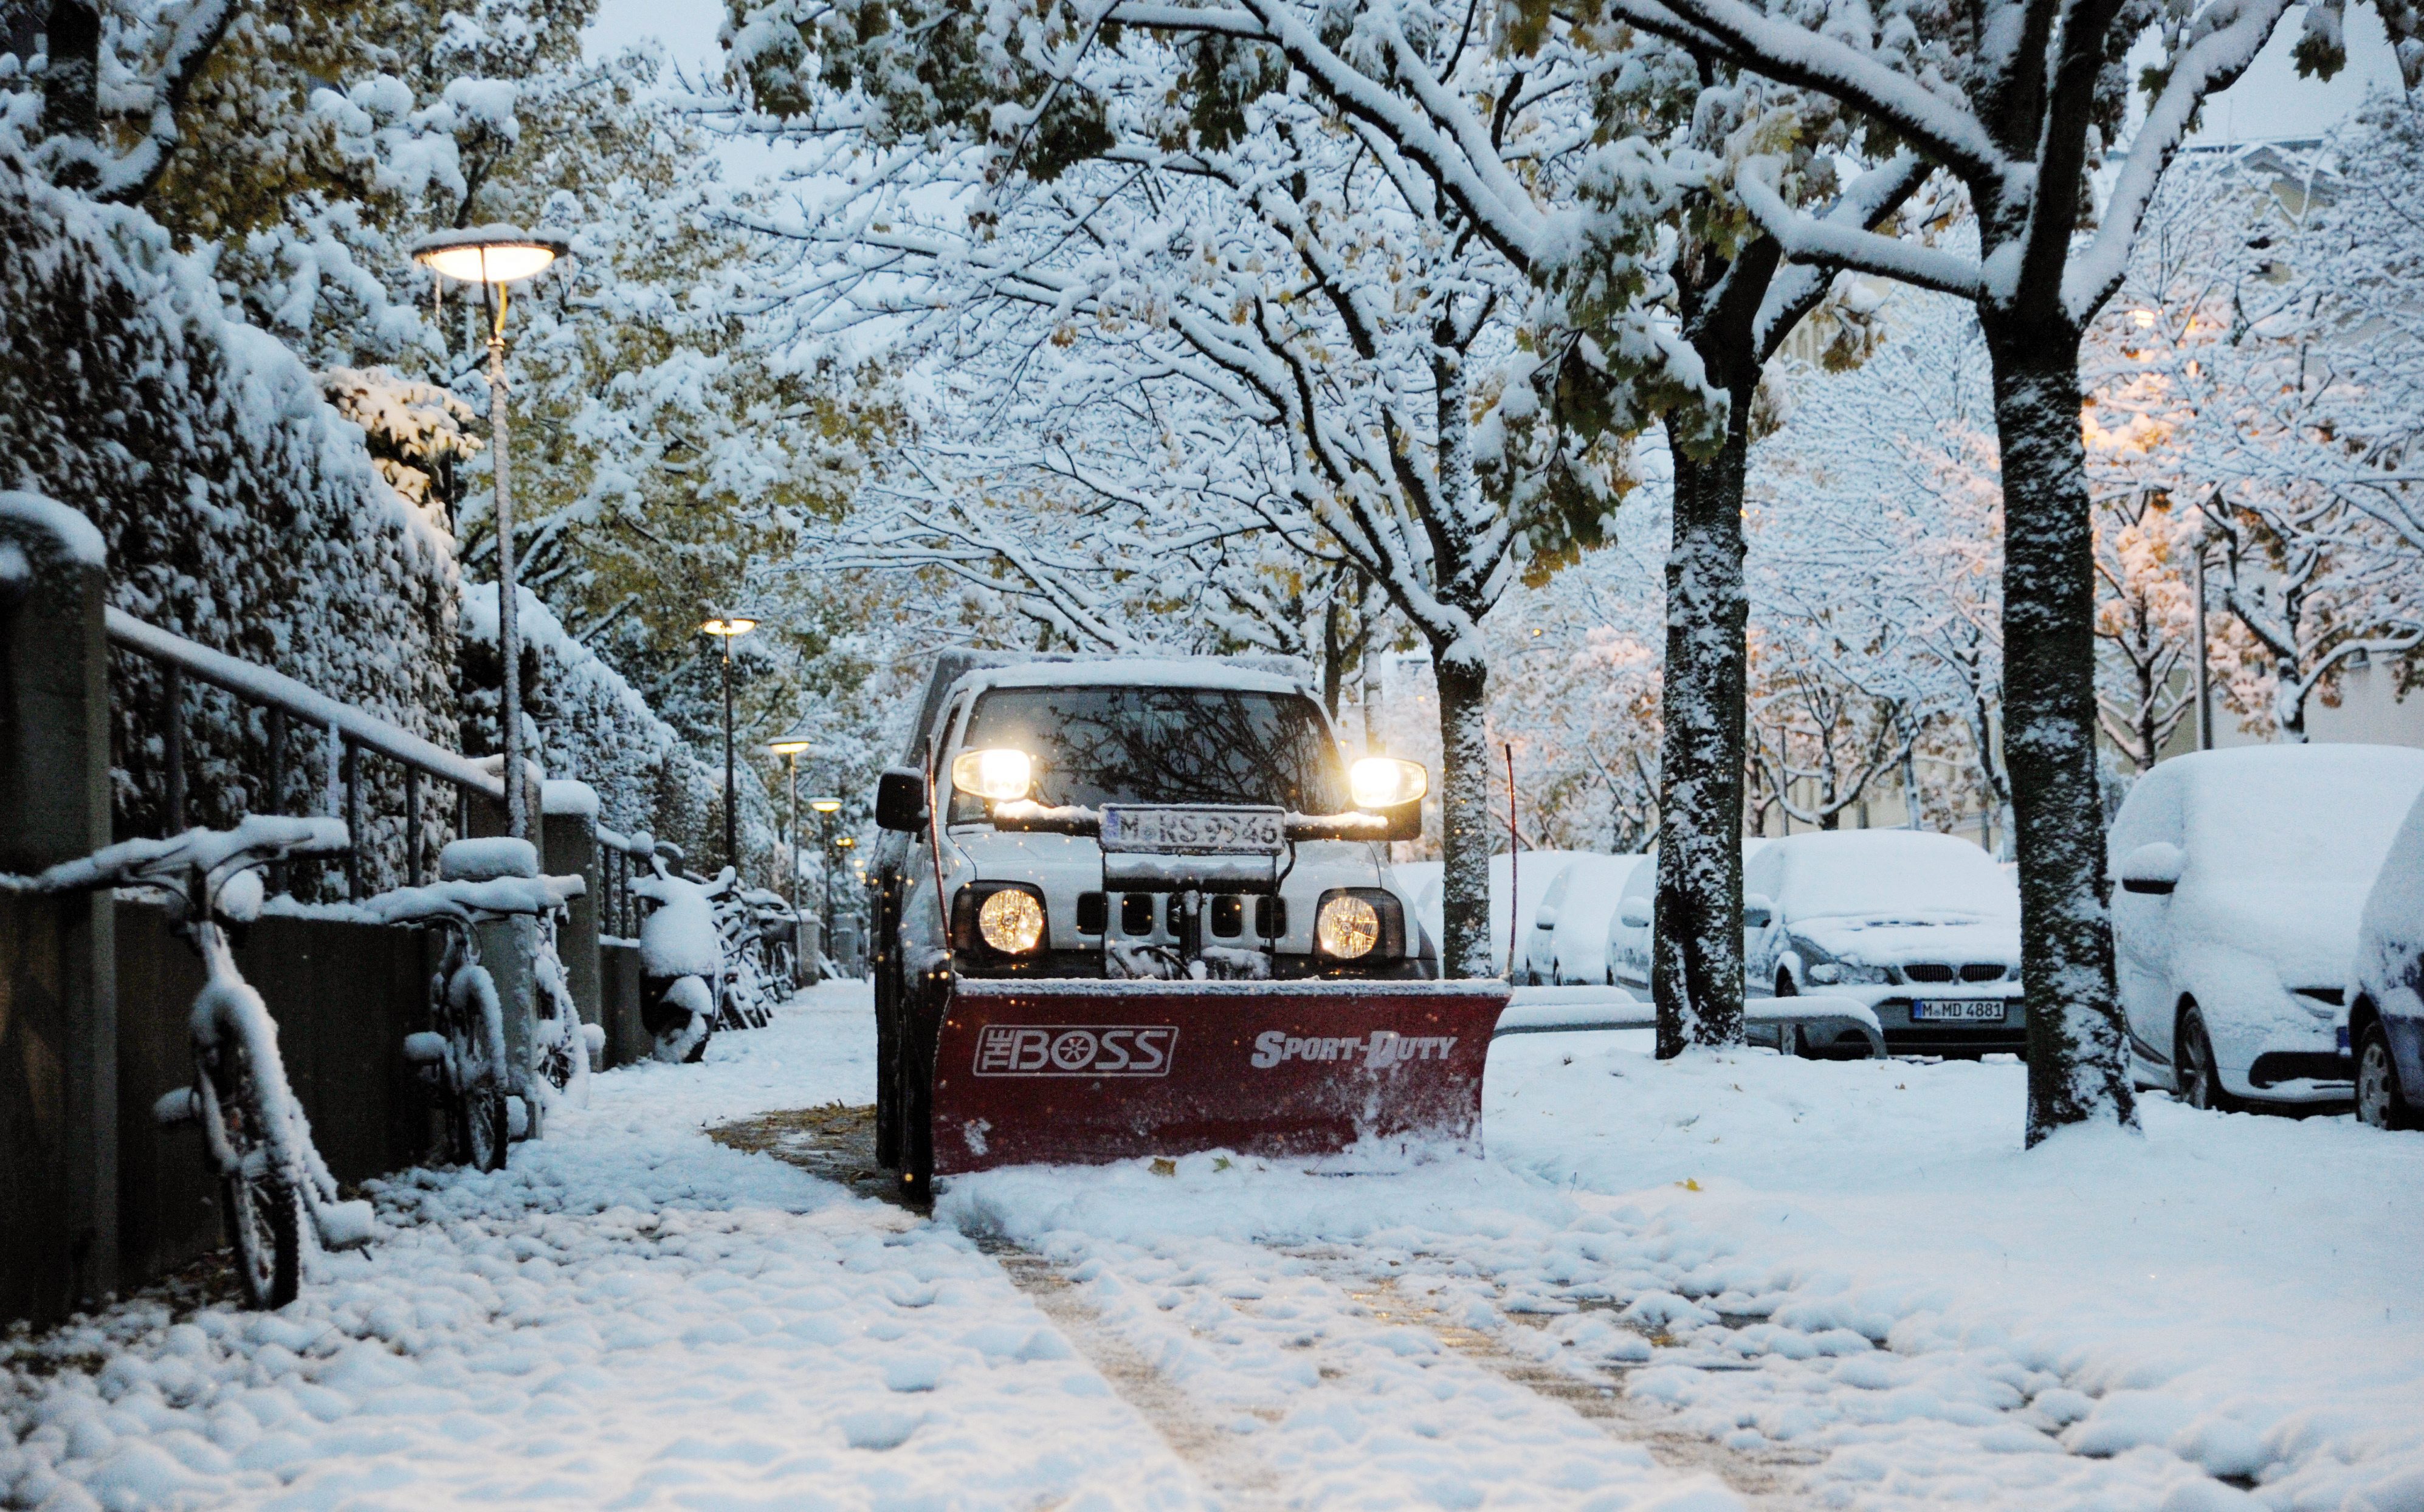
216, 854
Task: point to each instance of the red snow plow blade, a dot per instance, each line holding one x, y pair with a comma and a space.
1079, 1070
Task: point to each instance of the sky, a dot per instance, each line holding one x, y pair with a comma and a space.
2270, 102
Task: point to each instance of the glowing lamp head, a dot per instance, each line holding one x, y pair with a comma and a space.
729, 626
788, 748
2143, 319
998, 774
826, 805
1386, 782
843, 842
496, 253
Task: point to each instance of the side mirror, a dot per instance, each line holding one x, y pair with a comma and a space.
2152, 868
901, 800
1545, 919
1378, 783
1405, 820
1758, 912
1636, 914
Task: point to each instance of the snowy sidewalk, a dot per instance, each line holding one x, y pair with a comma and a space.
1735, 1280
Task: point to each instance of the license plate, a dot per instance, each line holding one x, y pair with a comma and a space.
1958, 1011
1194, 831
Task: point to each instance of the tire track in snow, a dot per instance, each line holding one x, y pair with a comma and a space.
1218, 1455
1763, 1480
838, 1142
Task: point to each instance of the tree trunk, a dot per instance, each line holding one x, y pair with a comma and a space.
2079, 1069
1465, 829
1697, 966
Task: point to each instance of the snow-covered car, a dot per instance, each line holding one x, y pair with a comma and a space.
2241, 877
1568, 943
2384, 1027
1625, 958
1511, 886
1925, 928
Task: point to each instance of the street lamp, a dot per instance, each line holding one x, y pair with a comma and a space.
728, 628
792, 743
498, 255
826, 808
843, 843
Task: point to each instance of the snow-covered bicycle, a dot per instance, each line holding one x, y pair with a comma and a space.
462, 1055
271, 1175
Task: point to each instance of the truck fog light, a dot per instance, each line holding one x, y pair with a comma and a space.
1348, 927
1011, 921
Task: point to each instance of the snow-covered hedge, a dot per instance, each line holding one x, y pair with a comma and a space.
594, 726
240, 509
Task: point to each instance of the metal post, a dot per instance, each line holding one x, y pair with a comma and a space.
2204, 674
792, 839
509, 644
731, 794
277, 787
824, 940
353, 778
173, 724
412, 826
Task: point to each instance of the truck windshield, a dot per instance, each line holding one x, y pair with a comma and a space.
1162, 745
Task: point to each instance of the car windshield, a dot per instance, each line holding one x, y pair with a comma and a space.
1162, 745
1893, 873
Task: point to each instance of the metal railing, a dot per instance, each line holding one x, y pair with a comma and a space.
348, 733
620, 858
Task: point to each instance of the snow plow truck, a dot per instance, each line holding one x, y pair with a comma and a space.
1129, 907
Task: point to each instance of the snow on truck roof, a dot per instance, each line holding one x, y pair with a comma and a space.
1135, 672
1051, 669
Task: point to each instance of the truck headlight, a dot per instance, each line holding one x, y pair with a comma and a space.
1347, 927
1011, 921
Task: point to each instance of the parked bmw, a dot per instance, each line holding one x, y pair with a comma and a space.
1925, 928
2242, 875
2385, 1027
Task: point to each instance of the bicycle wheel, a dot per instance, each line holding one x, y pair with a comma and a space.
478, 1126
266, 1221
263, 1210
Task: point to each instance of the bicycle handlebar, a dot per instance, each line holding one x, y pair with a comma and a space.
170, 864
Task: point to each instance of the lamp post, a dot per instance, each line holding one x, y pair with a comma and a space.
728, 628
843, 843
790, 743
826, 808
497, 255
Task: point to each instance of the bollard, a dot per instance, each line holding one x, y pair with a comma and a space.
58, 987
569, 847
